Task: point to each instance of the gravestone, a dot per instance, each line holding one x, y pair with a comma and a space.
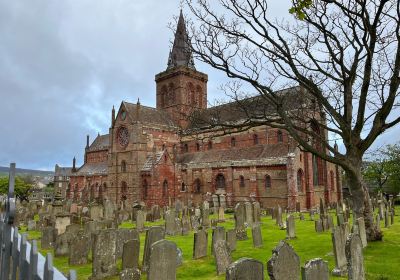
217, 234
31, 225
222, 201
200, 244
231, 240
104, 254
140, 219
315, 269
109, 210
153, 235
290, 227
245, 269
47, 241
339, 242
361, 231
163, 261
257, 237
279, 217
130, 254
96, 212
170, 226
330, 222
195, 222
222, 256
249, 214
301, 217
79, 247
185, 225
256, 212
61, 223
130, 274
155, 210
205, 218
340, 219
178, 226
378, 221
124, 235
240, 216
318, 226
221, 214
284, 263
61, 247
355, 258
387, 222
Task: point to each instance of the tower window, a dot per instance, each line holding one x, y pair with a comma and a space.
280, 136
210, 145
165, 188
267, 181
123, 166
197, 147
233, 142
183, 187
241, 181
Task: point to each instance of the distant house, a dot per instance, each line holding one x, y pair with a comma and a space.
61, 179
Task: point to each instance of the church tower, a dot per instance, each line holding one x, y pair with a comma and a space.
181, 89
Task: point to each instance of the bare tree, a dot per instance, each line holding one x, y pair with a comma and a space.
343, 54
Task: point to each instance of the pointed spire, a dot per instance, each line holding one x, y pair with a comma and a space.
181, 54
112, 116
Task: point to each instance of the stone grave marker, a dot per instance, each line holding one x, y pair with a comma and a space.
221, 214
257, 237
130, 274
124, 235
205, 218
231, 240
178, 226
47, 241
245, 269
361, 231
339, 242
240, 216
104, 254
185, 225
163, 261
130, 254
256, 212
315, 269
61, 247
222, 256
318, 226
200, 244
284, 263
290, 227
217, 234
355, 258
249, 214
153, 234
79, 247
140, 219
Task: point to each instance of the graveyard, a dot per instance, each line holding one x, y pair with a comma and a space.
273, 226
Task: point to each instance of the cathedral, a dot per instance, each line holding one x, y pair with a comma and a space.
160, 155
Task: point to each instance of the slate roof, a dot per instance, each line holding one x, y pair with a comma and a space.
151, 159
62, 171
271, 154
257, 108
102, 142
89, 169
149, 115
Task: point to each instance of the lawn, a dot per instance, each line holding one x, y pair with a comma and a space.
382, 259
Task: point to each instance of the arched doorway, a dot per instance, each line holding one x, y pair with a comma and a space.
220, 182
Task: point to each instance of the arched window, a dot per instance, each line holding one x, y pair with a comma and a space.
255, 139
124, 191
267, 182
197, 186
145, 188
300, 180
123, 166
183, 187
210, 145
197, 147
233, 142
165, 188
220, 181
185, 148
279, 136
241, 181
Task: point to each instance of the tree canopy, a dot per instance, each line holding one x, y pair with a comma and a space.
23, 186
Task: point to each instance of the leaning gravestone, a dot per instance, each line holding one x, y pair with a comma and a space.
185, 225
61, 247
200, 244
79, 248
355, 258
140, 219
245, 269
124, 235
222, 257
290, 227
315, 269
153, 235
284, 263
163, 261
205, 218
256, 212
217, 234
257, 237
104, 254
130, 254
339, 241
361, 231
231, 240
240, 216
178, 226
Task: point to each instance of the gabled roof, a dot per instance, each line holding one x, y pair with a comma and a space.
152, 159
90, 169
181, 53
149, 115
102, 142
270, 154
62, 171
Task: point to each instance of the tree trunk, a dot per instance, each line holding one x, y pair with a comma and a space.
362, 205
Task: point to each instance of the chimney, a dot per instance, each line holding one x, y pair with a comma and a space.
87, 141
112, 116
74, 165
137, 109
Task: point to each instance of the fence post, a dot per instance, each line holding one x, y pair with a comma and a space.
33, 263
48, 271
14, 255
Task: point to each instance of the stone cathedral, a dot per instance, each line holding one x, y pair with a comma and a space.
158, 155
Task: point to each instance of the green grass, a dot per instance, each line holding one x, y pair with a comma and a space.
382, 259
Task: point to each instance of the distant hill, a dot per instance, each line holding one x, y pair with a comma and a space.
20, 171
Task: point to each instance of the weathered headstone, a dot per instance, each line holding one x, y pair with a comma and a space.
185, 225
222, 256
170, 226
221, 214
130, 274
290, 227
130, 254
279, 217
61, 247
240, 216
257, 236
195, 222
79, 247
205, 218
355, 258
47, 241
153, 235
256, 212
318, 226
96, 212
163, 261
200, 244
361, 231
61, 223
178, 226
217, 234
245, 269
140, 219
124, 235
249, 214
104, 254
315, 269
339, 242
284, 263
231, 240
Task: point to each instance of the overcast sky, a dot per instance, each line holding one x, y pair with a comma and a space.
65, 63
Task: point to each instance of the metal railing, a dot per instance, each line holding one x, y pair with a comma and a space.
20, 259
